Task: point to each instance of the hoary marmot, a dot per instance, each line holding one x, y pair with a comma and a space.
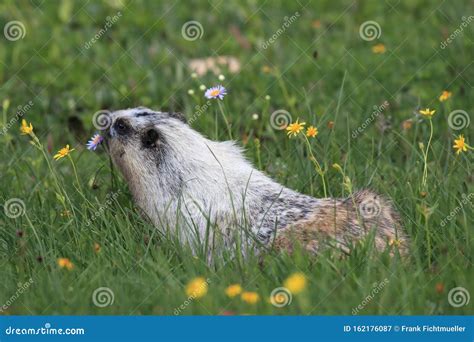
186, 183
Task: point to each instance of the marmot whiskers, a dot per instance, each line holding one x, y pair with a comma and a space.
185, 182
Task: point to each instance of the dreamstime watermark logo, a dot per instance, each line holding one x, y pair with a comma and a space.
457, 32
375, 113
199, 110
370, 208
103, 296
195, 294
455, 211
14, 207
21, 111
106, 204
14, 30
458, 119
281, 297
20, 290
370, 30
109, 22
376, 288
46, 330
458, 296
192, 30
280, 119
287, 21
102, 119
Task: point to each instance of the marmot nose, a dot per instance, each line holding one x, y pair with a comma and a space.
120, 127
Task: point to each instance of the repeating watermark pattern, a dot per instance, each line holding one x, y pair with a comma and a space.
465, 22
370, 208
14, 30
280, 119
458, 296
102, 119
376, 288
109, 199
102, 297
458, 119
192, 30
21, 289
199, 110
177, 311
370, 30
37, 3
375, 113
109, 22
281, 297
14, 207
21, 111
465, 200
287, 21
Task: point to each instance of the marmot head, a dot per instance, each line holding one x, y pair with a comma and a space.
165, 162
140, 139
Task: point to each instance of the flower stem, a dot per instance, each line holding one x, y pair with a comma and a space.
428, 240
40, 244
75, 174
60, 191
317, 166
425, 169
225, 119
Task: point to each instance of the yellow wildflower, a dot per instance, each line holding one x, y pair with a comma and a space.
250, 297
65, 213
96, 247
295, 283
63, 152
316, 24
460, 145
233, 290
337, 167
427, 112
295, 128
25, 128
407, 124
395, 242
197, 288
65, 263
379, 48
445, 95
311, 132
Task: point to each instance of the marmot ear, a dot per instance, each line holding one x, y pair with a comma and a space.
179, 116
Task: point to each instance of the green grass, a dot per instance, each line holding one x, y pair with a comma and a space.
318, 74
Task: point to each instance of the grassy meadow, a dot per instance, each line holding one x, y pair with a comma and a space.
71, 239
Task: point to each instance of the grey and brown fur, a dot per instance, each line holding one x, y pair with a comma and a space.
185, 182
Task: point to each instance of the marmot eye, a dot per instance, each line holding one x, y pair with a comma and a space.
121, 127
150, 138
